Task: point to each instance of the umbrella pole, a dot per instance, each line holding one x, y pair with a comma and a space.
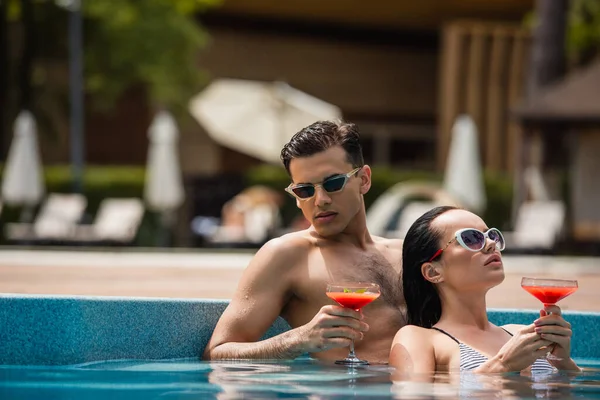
26, 215
281, 104
76, 94
166, 222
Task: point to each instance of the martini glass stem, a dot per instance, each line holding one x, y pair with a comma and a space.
352, 354
549, 355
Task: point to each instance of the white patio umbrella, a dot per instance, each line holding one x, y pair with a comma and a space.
163, 189
257, 118
22, 180
463, 177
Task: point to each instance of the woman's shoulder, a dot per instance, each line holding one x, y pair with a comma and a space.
411, 343
413, 333
420, 348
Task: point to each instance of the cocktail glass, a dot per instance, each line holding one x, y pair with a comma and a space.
354, 295
549, 292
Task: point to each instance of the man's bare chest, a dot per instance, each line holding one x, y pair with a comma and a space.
323, 268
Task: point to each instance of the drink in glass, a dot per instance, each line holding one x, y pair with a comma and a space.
354, 295
549, 292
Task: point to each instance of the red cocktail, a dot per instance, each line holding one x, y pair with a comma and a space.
353, 300
355, 296
549, 292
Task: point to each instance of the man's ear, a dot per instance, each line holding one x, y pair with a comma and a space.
365, 179
432, 273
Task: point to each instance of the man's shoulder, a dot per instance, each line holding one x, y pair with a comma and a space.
289, 244
280, 255
390, 243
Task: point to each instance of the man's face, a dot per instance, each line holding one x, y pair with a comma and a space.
330, 213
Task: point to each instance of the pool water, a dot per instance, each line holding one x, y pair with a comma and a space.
301, 379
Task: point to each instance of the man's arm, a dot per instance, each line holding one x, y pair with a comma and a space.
262, 293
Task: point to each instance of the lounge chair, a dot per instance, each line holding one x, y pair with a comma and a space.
384, 216
117, 222
259, 224
55, 221
409, 214
538, 227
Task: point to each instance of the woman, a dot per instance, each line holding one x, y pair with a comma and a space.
450, 260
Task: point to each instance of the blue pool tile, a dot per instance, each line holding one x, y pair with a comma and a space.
64, 330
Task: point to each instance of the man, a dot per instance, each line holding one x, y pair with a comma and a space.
288, 276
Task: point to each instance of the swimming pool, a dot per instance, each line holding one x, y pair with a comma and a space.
303, 378
58, 347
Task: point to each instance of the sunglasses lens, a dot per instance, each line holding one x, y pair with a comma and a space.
496, 236
334, 184
304, 192
473, 239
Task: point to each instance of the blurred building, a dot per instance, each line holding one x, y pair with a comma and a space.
573, 105
401, 70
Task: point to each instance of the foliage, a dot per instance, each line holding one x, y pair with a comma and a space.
152, 43
498, 189
583, 35
499, 193
583, 30
101, 182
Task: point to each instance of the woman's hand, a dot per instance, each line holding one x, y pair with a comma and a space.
523, 349
553, 327
518, 353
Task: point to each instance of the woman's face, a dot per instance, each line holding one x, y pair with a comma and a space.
461, 268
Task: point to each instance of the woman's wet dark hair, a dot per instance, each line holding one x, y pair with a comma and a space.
420, 244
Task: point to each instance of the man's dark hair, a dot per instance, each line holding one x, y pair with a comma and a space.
321, 136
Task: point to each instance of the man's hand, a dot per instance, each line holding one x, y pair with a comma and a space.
331, 328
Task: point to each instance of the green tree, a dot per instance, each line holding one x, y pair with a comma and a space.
152, 43
583, 34
149, 42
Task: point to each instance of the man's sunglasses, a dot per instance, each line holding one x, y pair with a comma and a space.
336, 183
474, 240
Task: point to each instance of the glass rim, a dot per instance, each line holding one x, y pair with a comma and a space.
354, 285
558, 282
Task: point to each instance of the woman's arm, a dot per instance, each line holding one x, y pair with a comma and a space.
519, 352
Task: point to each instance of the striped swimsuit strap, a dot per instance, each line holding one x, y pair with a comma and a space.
471, 358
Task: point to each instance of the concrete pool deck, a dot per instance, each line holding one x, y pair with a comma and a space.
214, 275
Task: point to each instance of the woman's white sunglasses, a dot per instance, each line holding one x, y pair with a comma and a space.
473, 240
